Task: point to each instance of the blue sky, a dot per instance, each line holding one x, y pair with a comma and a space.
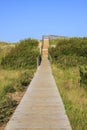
21, 19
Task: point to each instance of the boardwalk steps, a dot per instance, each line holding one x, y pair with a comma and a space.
41, 108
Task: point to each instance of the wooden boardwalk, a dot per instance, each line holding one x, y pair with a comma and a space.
41, 107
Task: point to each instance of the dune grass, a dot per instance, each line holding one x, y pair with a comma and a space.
74, 96
7, 77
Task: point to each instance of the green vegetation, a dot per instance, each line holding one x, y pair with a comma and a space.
83, 75
69, 64
70, 52
53, 41
18, 64
5, 48
7, 106
24, 55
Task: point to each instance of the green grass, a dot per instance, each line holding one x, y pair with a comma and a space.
74, 96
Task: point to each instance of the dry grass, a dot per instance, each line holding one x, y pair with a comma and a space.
8, 75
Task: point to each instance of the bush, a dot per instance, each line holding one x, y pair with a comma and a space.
70, 52
23, 55
6, 109
25, 77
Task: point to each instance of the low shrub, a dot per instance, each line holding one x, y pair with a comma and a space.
22, 56
6, 109
69, 52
